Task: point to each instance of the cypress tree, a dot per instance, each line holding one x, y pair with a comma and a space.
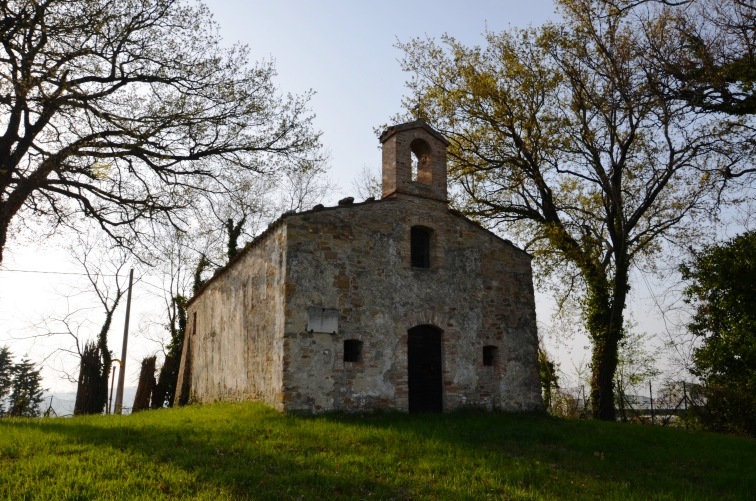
26, 394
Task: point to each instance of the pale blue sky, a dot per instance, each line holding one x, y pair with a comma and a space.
344, 51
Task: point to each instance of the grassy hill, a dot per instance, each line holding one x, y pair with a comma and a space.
240, 451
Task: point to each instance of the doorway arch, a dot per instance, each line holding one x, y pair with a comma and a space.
424, 369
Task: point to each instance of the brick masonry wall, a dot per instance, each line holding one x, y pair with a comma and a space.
478, 291
397, 165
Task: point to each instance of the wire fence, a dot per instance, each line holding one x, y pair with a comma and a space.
55, 406
664, 404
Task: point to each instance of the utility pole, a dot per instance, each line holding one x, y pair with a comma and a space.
651, 396
121, 375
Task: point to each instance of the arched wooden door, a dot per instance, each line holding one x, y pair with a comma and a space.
424, 369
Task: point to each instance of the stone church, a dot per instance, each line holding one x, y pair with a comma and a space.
399, 303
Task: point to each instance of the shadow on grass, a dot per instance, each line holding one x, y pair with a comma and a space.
225, 459
251, 451
617, 459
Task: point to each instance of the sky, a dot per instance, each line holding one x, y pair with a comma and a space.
345, 52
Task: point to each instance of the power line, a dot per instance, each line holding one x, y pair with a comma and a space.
60, 272
43, 272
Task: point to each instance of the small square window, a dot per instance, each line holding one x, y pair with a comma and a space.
352, 350
489, 356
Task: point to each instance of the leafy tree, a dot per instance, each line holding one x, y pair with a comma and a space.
722, 279
178, 327
130, 110
549, 377
19, 386
165, 388
234, 231
6, 375
201, 266
561, 136
26, 390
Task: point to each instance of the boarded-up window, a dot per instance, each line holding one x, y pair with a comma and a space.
489, 355
352, 350
420, 242
322, 320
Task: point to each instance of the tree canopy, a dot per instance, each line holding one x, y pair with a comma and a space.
721, 287
6, 375
20, 386
563, 136
707, 51
121, 111
708, 47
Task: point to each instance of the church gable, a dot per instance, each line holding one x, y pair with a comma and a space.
376, 296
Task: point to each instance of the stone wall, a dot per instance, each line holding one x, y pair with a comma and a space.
356, 260
327, 308
236, 327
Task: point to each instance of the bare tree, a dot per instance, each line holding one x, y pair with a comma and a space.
81, 332
368, 183
131, 110
303, 185
708, 47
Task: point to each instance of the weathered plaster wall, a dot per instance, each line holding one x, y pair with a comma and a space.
356, 259
236, 327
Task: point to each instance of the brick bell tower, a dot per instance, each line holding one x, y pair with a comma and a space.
414, 161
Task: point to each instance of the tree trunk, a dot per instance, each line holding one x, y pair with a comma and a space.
604, 363
184, 392
15, 198
146, 385
86, 391
4, 222
106, 356
606, 306
165, 390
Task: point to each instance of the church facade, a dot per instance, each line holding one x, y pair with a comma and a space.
399, 303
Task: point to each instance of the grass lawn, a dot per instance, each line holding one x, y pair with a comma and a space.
248, 451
